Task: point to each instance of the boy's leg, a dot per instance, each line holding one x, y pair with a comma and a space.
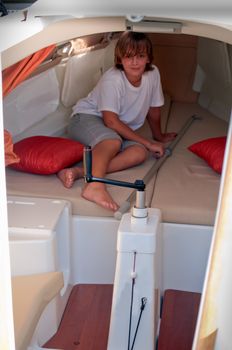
129, 157
107, 159
69, 175
96, 192
89, 130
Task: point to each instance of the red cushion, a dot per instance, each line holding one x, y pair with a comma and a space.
212, 151
46, 154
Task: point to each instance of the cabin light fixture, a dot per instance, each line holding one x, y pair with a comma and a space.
146, 24
135, 18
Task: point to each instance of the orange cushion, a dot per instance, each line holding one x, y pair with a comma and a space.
46, 154
212, 151
10, 156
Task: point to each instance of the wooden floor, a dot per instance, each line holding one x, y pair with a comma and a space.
178, 320
86, 320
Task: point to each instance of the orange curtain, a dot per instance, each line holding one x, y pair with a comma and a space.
18, 72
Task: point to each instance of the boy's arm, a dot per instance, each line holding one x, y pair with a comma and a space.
153, 118
112, 121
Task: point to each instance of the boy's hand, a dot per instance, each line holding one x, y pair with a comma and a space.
156, 148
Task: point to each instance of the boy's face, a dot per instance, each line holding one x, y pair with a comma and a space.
134, 66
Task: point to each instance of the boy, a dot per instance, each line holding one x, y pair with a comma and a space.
107, 119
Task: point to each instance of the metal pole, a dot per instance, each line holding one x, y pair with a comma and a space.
125, 206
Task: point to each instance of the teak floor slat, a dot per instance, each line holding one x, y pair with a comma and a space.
178, 320
86, 319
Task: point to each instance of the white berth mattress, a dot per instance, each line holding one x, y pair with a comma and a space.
185, 189
49, 186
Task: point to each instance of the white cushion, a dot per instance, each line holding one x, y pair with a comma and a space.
81, 75
186, 189
31, 294
31, 102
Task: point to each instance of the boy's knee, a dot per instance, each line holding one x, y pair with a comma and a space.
141, 153
144, 153
112, 143
116, 143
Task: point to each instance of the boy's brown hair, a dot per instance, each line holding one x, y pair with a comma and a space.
130, 44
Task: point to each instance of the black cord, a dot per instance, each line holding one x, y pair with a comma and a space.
143, 303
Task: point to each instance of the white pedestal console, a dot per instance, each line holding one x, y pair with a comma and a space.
136, 279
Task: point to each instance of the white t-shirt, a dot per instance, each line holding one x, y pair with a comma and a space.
116, 94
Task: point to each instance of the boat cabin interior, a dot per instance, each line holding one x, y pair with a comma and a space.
71, 274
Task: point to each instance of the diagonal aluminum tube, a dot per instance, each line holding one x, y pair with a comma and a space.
125, 206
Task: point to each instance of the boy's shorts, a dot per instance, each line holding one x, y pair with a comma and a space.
90, 130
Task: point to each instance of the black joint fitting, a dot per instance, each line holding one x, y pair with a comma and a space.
139, 185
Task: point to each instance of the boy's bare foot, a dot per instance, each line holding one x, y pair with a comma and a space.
69, 175
169, 136
97, 193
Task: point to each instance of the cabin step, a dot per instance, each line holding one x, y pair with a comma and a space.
178, 320
86, 319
